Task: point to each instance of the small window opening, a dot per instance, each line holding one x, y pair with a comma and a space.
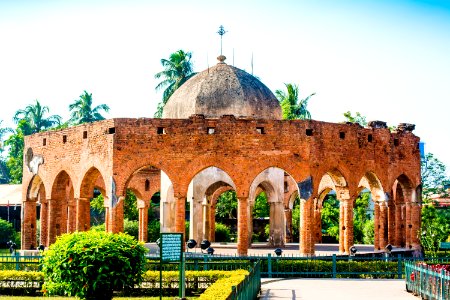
370, 138
309, 132
84, 134
260, 130
211, 130
396, 142
64, 139
161, 130
44, 142
342, 135
286, 187
147, 185
112, 130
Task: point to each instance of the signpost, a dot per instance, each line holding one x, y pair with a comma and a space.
171, 250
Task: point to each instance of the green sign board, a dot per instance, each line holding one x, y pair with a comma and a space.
171, 246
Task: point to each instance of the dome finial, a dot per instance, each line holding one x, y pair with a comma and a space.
221, 58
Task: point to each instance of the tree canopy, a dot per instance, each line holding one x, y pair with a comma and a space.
82, 110
177, 70
34, 114
291, 106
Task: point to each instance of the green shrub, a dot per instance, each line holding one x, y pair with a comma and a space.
368, 231
91, 265
131, 227
222, 233
222, 288
8, 234
99, 227
153, 230
20, 282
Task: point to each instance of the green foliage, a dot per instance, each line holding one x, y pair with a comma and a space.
291, 106
226, 206
130, 210
368, 232
261, 208
186, 230
433, 177
330, 216
361, 216
97, 204
83, 112
15, 142
222, 233
91, 265
296, 220
177, 70
33, 114
358, 118
435, 228
13, 282
153, 230
8, 233
222, 288
98, 228
131, 227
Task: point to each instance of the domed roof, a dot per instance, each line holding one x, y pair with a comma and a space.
223, 90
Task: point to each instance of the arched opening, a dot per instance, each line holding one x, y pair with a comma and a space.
272, 193
363, 218
90, 206
140, 220
34, 210
371, 186
211, 198
62, 208
333, 219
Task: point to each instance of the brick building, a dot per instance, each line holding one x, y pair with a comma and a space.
222, 130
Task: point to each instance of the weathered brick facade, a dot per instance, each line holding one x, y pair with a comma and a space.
117, 154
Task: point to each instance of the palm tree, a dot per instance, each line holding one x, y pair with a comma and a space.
34, 115
177, 70
82, 111
292, 107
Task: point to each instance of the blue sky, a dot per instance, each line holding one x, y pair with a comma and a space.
389, 60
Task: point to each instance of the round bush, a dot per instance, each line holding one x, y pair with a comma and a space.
222, 233
131, 227
8, 234
91, 265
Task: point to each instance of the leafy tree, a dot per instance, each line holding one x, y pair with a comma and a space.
4, 172
8, 233
357, 118
330, 216
361, 217
153, 230
292, 107
15, 142
130, 210
177, 70
368, 232
34, 114
261, 209
227, 205
296, 220
435, 228
83, 112
433, 177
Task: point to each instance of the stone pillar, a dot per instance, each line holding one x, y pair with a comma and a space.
398, 226
348, 225
341, 227
180, 214
143, 223
318, 224
250, 223
391, 223
196, 219
107, 220
83, 214
376, 226
383, 226
288, 220
54, 219
71, 216
206, 220
212, 223
29, 224
408, 242
306, 222
276, 224
63, 216
117, 216
44, 223
415, 224
243, 215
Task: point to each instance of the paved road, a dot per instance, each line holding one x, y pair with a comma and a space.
336, 289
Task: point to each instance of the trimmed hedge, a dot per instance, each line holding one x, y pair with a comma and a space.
21, 282
222, 288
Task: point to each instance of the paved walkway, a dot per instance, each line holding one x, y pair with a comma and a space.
336, 289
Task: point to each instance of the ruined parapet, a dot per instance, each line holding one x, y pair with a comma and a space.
377, 124
406, 127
